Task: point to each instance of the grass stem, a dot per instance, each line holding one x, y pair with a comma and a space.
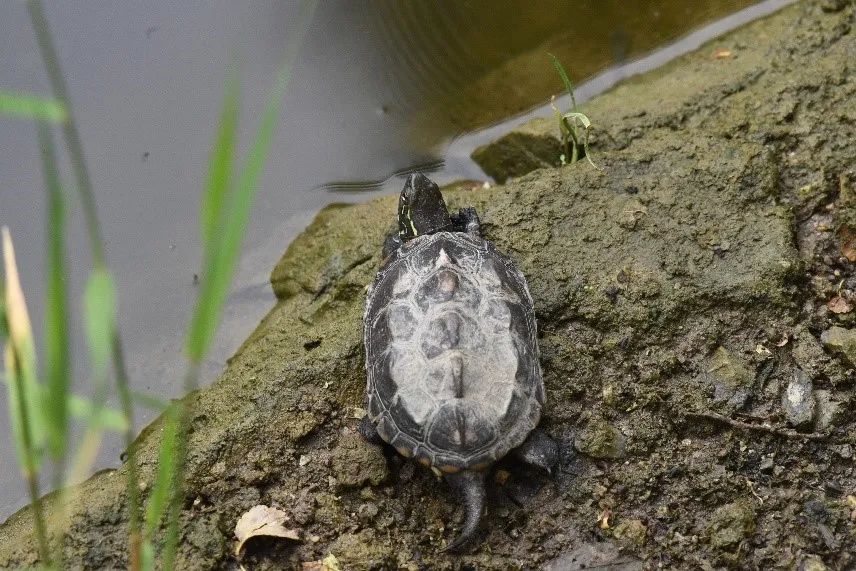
56, 313
30, 473
69, 128
184, 412
133, 491
96, 243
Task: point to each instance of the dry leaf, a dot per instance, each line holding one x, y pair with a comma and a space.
329, 563
262, 521
839, 305
722, 54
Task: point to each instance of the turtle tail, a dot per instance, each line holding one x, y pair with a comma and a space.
470, 486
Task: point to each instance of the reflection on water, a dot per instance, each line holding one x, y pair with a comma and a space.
461, 65
379, 87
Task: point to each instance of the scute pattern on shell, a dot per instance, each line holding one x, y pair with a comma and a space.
451, 352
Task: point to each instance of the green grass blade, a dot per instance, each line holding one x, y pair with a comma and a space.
220, 166
224, 255
99, 318
56, 311
147, 555
164, 482
569, 86
99, 311
221, 259
29, 106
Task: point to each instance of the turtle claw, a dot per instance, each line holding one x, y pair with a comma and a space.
456, 545
467, 220
539, 450
470, 486
368, 431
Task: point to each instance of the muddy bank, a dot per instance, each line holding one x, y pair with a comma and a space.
697, 347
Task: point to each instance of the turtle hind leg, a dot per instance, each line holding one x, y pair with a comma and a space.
368, 431
467, 220
538, 450
470, 487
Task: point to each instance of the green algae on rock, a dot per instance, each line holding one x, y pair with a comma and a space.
355, 462
602, 441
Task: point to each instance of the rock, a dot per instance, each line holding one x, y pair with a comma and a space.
731, 524
809, 354
532, 146
630, 532
826, 410
601, 440
355, 462
731, 379
704, 146
841, 341
798, 399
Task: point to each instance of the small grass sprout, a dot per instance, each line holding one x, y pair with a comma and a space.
574, 125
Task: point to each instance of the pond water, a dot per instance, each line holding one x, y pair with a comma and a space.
378, 88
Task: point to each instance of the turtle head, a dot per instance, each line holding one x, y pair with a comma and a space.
421, 208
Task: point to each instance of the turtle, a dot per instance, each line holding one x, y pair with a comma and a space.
452, 360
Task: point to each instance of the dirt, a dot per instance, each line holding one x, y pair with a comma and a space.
679, 293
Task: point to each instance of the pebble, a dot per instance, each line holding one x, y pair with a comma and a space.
827, 410
356, 463
601, 440
841, 341
731, 524
798, 399
631, 532
732, 380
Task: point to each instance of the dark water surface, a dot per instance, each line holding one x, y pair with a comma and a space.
378, 87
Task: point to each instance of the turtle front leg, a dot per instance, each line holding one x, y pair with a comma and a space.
467, 220
368, 431
538, 450
391, 244
470, 487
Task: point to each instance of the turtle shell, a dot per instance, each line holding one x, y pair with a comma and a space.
452, 358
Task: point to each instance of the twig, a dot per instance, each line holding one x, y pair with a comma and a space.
783, 432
